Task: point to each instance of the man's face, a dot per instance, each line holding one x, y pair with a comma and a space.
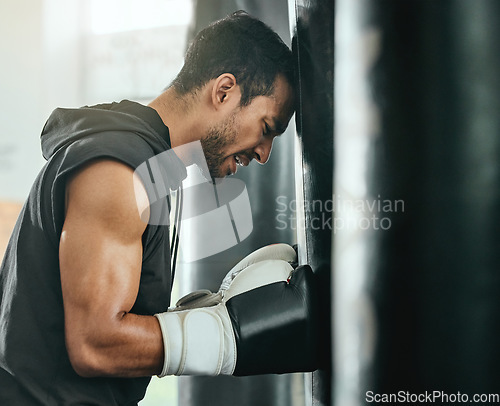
248, 132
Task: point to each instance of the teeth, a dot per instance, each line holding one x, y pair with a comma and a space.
238, 161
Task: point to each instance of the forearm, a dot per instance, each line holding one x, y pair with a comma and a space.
128, 345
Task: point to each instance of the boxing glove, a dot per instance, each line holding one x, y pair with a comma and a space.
205, 298
266, 322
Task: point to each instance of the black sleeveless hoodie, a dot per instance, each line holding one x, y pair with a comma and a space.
34, 363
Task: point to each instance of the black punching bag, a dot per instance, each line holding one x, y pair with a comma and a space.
433, 276
313, 47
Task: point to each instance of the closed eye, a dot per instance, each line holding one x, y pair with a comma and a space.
267, 129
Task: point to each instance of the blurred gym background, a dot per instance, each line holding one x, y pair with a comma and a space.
413, 141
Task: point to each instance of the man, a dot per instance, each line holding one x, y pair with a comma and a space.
85, 283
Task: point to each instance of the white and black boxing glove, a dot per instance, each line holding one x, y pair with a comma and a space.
205, 298
266, 322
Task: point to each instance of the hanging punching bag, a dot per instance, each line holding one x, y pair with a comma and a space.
432, 276
313, 48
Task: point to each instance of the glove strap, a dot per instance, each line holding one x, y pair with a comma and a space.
198, 342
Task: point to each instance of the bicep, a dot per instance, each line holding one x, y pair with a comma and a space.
100, 248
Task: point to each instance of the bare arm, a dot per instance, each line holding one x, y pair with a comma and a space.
100, 259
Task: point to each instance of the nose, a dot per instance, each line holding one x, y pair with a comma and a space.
263, 150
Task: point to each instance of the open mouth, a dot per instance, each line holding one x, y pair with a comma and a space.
238, 160
242, 159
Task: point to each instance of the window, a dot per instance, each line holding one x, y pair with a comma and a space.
132, 48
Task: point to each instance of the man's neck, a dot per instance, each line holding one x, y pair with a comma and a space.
181, 114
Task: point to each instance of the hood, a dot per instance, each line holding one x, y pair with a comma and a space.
65, 126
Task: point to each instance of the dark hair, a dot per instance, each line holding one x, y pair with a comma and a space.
241, 45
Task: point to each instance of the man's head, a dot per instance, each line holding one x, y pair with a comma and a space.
235, 93
244, 133
243, 46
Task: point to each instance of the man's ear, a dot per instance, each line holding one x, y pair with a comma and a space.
226, 92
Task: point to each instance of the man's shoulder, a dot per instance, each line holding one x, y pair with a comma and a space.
107, 189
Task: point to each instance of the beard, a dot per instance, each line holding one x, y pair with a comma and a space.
215, 141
